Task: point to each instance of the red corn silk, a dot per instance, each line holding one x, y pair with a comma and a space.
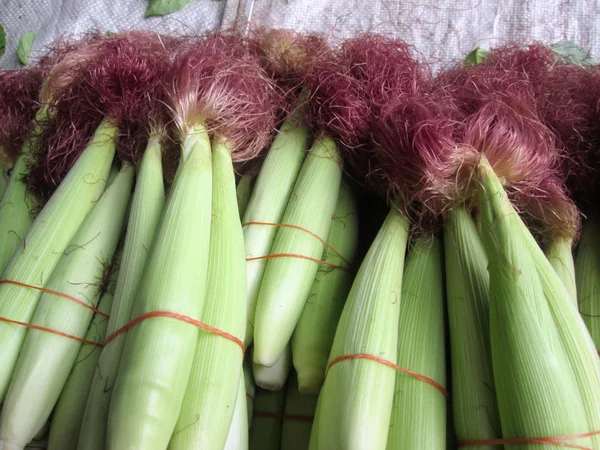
218, 81
349, 92
121, 78
19, 102
500, 104
572, 112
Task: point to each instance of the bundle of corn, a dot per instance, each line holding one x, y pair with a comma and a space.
541, 355
219, 90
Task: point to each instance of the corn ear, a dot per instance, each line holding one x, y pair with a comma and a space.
538, 395
265, 431
250, 389
298, 411
273, 378
79, 274
243, 192
46, 241
210, 397
560, 255
355, 403
68, 414
159, 352
588, 282
16, 215
577, 342
287, 280
237, 439
475, 408
419, 412
146, 208
313, 336
268, 202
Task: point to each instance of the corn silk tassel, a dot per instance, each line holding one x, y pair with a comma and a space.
68, 413
298, 415
313, 336
147, 206
212, 82
79, 274
419, 411
265, 430
273, 378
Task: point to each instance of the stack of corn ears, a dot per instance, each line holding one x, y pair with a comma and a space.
182, 266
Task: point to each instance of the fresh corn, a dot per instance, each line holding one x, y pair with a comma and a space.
68, 414
273, 378
355, 403
159, 352
146, 208
560, 254
265, 431
79, 274
298, 413
287, 280
46, 241
237, 439
313, 336
243, 192
268, 201
210, 398
475, 408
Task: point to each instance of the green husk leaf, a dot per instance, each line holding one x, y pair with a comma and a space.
475, 408
287, 280
80, 274
68, 414
2, 39
243, 192
237, 439
569, 52
212, 389
355, 403
314, 333
47, 240
159, 352
477, 56
146, 208
273, 378
538, 394
560, 254
265, 432
268, 202
24, 47
419, 413
588, 281
163, 7
296, 429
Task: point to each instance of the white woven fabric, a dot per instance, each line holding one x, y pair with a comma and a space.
442, 30
53, 18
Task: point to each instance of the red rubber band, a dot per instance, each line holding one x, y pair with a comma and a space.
58, 294
297, 418
556, 440
49, 330
293, 255
249, 396
296, 227
181, 317
387, 363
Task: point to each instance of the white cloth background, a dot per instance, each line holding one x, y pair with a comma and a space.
442, 30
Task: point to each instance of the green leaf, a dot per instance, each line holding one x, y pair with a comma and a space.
109, 33
477, 56
162, 7
24, 48
2, 40
569, 52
